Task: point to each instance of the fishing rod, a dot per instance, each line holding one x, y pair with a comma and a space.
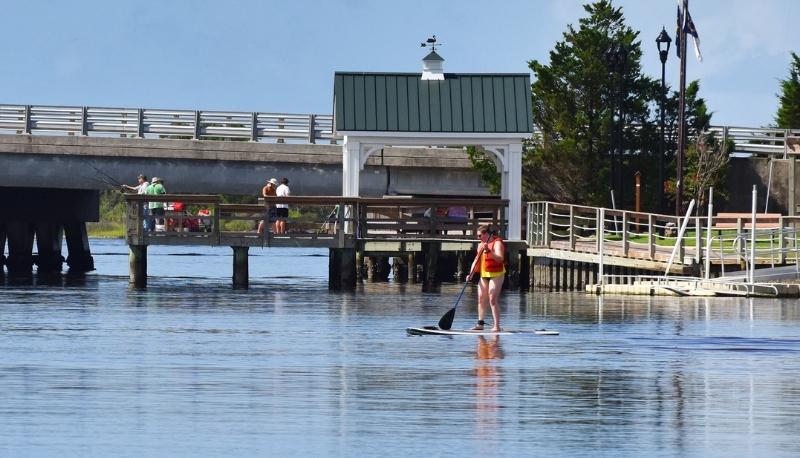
106, 182
107, 178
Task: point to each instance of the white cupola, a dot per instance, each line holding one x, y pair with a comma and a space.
432, 67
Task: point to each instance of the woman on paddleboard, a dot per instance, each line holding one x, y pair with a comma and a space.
490, 259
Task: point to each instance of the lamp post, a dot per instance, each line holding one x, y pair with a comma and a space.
663, 42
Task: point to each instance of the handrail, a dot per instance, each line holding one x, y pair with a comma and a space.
332, 221
649, 235
279, 127
158, 123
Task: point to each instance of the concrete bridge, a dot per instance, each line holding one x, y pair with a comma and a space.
209, 152
54, 160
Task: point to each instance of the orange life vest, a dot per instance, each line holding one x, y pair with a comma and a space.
488, 264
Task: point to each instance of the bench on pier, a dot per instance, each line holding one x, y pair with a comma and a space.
733, 221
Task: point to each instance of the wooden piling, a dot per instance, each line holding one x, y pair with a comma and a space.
431, 250
342, 269
240, 267
513, 269
137, 263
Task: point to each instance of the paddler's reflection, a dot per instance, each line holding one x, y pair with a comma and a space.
489, 348
489, 377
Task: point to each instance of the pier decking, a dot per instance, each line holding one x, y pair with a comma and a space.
415, 231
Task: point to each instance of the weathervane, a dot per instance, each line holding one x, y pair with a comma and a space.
431, 42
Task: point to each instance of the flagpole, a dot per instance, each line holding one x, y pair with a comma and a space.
681, 113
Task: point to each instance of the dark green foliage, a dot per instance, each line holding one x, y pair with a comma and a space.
598, 114
594, 75
485, 166
112, 206
788, 116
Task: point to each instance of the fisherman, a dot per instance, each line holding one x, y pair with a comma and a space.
141, 188
490, 259
156, 208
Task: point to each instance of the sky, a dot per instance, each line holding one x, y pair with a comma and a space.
280, 56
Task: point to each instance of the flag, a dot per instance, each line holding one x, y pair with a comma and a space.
692, 30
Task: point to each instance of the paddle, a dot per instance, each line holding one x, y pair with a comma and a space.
446, 321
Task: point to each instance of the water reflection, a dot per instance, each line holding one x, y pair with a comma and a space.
488, 384
190, 367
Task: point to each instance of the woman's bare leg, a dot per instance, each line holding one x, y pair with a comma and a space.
494, 288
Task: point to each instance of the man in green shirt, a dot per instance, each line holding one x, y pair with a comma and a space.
156, 208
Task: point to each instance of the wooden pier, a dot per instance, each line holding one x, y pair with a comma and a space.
422, 237
568, 244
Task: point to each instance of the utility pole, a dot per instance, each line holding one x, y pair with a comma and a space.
681, 112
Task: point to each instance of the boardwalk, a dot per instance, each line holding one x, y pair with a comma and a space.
567, 237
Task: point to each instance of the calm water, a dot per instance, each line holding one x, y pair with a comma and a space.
190, 367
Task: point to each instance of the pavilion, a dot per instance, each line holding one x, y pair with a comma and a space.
436, 109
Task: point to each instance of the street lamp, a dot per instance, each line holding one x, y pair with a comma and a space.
663, 42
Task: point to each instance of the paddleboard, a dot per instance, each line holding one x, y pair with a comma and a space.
433, 330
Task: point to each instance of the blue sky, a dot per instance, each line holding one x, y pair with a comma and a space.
280, 56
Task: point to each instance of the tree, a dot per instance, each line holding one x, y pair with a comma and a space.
486, 168
585, 102
705, 158
707, 163
597, 115
788, 116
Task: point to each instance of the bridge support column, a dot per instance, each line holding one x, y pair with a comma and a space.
137, 266
20, 249
240, 267
80, 256
49, 237
342, 269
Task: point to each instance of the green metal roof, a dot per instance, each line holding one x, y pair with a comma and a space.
402, 102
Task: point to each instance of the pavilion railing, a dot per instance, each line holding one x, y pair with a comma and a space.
314, 221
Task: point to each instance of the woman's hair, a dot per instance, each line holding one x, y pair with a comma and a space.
488, 228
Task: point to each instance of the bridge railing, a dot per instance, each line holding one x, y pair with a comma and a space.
155, 123
314, 221
760, 141
270, 127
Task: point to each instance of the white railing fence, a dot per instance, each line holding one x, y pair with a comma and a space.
153, 123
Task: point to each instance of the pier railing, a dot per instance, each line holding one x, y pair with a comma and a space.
314, 221
652, 236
